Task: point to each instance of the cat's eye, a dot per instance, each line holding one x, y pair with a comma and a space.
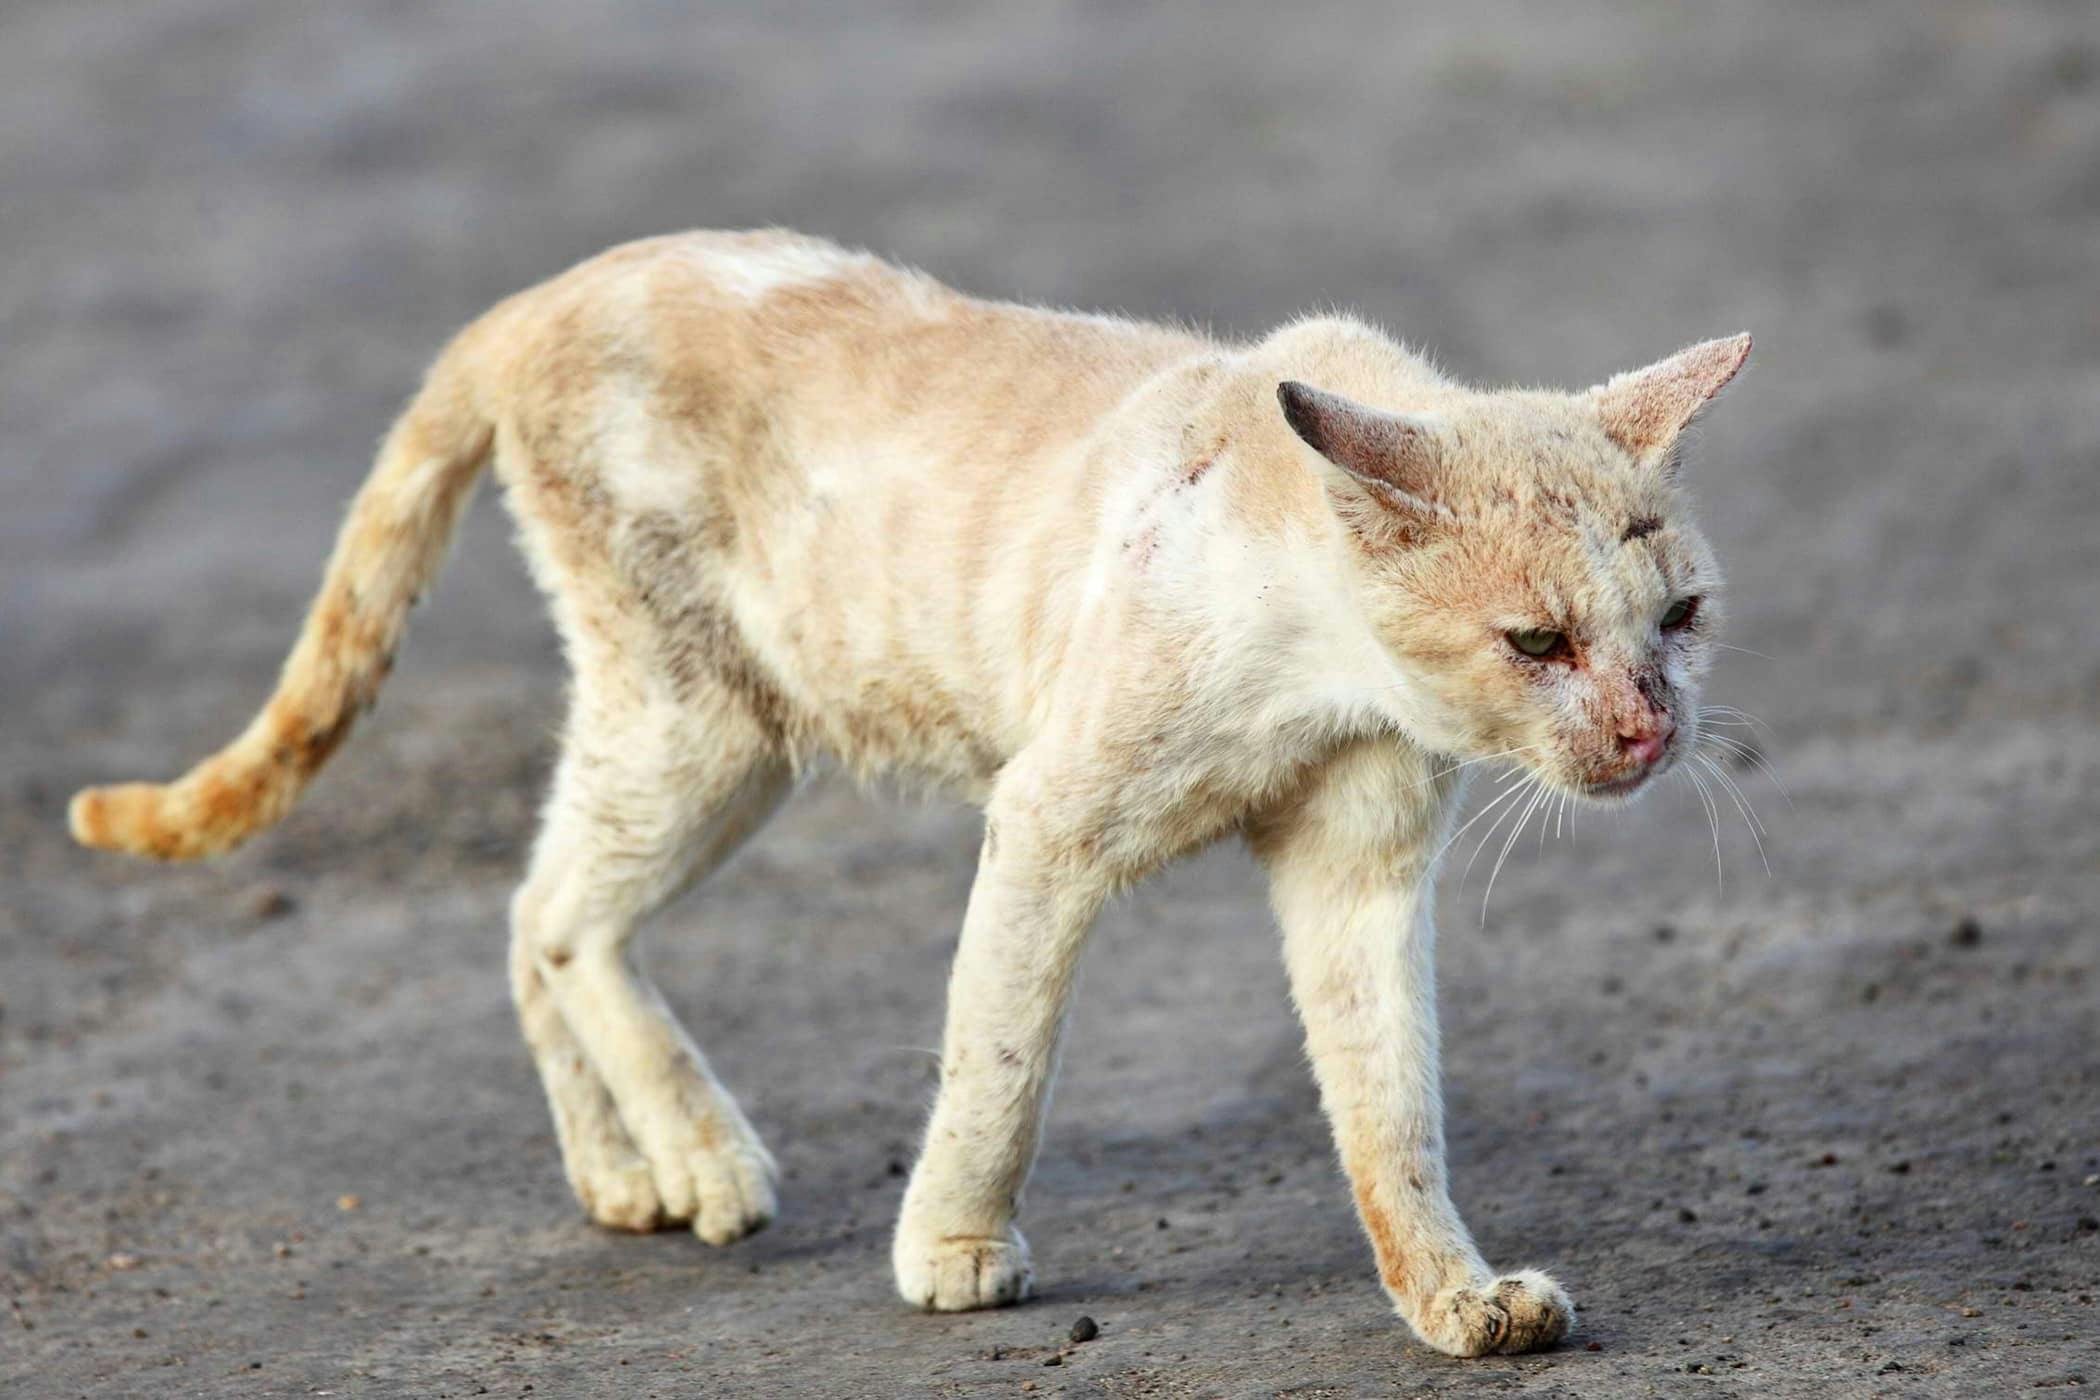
1538, 641
1679, 613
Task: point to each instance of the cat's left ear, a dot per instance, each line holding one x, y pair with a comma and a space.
1387, 460
1644, 410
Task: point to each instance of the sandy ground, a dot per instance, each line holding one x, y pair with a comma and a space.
266, 1128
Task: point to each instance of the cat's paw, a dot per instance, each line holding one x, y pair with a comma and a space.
618, 1194
725, 1193
955, 1273
1517, 1312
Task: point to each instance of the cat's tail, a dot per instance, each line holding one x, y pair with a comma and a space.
391, 544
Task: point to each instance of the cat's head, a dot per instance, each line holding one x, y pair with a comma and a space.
1528, 560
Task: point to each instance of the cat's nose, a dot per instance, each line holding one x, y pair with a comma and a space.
1644, 740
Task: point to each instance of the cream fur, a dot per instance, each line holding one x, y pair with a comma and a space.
1109, 580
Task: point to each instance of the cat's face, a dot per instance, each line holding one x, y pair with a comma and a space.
1568, 625
1528, 560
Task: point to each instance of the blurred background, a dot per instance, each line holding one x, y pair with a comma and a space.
266, 1126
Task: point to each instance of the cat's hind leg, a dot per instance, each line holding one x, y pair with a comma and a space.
606, 1171
649, 795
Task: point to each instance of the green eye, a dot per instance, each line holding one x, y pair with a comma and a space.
1538, 641
1679, 612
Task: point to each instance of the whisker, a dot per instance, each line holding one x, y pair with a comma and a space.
1742, 717
1713, 819
1493, 803
1757, 823
1742, 805
1468, 763
1507, 846
1729, 646
1753, 757
1467, 874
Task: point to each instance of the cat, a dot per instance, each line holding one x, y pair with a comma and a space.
1128, 588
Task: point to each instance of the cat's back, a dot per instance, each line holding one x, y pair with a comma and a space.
707, 315
872, 479
782, 367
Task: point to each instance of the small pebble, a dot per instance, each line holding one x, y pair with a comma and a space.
1055, 1358
1967, 932
271, 904
348, 1202
123, 1263
1594, 1346
1085, 1330
1687, 1216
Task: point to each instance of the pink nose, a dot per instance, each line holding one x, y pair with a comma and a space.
1648, 739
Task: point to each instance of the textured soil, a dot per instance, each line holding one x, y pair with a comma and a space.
266, 1127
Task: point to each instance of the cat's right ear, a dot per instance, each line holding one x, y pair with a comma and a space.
1645, 410
1387, 460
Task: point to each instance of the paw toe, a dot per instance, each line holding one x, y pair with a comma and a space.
1518, 1312
734, 1196
723, 1193
961, 1273
620, 1197
1538, 1311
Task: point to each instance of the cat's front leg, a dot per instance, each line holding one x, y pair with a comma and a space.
1034, 899
1348, 866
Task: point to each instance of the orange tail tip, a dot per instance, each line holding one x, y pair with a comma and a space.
113, 818
138, 818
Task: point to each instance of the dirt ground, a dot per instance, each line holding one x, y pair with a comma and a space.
266, 1127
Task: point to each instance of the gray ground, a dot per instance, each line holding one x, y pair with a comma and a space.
1786, 1135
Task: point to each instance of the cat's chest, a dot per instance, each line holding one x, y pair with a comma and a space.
1176, 789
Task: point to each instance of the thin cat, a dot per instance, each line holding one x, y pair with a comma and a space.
1128, 588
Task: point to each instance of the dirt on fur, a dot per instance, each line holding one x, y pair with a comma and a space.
265, 1125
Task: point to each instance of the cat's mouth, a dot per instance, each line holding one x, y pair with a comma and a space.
1621, 787
1627, 784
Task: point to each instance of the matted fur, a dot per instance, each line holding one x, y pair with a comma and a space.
1127, 587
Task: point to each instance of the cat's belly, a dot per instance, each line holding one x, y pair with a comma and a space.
884, 655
